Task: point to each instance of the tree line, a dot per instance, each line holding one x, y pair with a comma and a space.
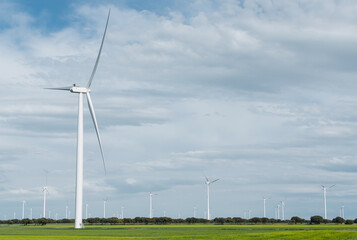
191, 220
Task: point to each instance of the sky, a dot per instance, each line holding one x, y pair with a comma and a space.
260, 94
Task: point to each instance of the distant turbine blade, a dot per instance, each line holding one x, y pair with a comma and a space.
92, 113
60, 88
206, 179
100, 51
215, 180
332, 186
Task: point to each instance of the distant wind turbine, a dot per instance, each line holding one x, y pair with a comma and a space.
150, 195
324, 189
264, 199
342, 211
79, 173
282, 210
45, 191
278, 207
208, 183
104, 205
23, 209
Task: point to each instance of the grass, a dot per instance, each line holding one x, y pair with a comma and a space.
181, 232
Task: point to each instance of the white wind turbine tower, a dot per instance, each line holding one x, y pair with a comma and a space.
208, 183
23, 209
343, 211
79, 172
324, 189
278, 210
45, 191
264, 199
104, 206
282, 210
151, 194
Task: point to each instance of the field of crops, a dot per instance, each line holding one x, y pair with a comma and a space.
183, 232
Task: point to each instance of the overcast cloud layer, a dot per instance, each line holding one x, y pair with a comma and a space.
261, 94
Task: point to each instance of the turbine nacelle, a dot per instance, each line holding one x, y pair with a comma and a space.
76, 89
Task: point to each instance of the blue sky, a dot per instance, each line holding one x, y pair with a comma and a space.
257, 93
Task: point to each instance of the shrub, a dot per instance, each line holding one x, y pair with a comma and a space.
316, 220
349, 222
296, 219
338, 220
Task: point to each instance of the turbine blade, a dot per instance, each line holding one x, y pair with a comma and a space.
60, 88
92, 113
332, 186
206, 179
215, 180
100, 51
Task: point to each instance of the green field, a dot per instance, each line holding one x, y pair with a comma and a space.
223, 232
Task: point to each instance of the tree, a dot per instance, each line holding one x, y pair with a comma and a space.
349, 222
296, 219
113, 220
191, 220
25, 221
219, 220
316, 220
338, 220
41, 221
238, 220
265, 220
255, 220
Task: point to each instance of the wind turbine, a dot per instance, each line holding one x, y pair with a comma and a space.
104, 205
343, 211
278, 210
151, 194
282, 210
45, 191
23, 209
324, 189
79, 172
208, 183
264, 199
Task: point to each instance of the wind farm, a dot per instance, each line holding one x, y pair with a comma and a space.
234, 113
